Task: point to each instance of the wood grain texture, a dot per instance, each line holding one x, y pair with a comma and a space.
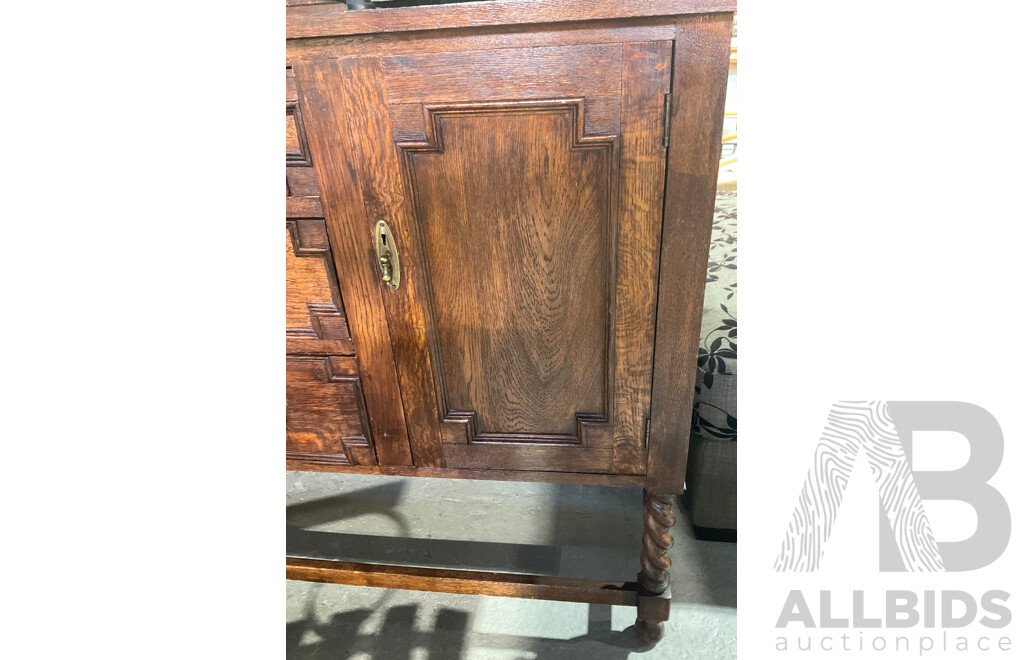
515, 213
304, 207
507, 216
323, 93
296, 150
511, 455
302, 182
486, 38
698, 103
326, 420
291, 137
325, 20
654, 559
516, 150
583, 478
485, 384
291, 95
314, 318
451, 581
383, 196
645, 80
519, 73
409, 121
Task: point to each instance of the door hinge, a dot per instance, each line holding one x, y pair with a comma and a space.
647, 431
667, 120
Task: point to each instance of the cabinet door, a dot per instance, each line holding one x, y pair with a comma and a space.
523, 187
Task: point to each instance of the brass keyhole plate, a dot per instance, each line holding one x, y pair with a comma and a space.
387, 254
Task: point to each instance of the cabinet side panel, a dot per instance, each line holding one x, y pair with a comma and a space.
698, 104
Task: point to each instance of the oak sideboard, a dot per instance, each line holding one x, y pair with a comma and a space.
498, 219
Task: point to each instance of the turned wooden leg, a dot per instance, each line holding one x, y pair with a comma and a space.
652, 606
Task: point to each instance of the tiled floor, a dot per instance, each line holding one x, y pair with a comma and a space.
556, 529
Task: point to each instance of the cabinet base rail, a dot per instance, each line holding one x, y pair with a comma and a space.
483, 583
650, 594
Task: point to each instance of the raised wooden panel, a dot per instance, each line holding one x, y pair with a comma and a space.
314, 319
515, 204
326, 416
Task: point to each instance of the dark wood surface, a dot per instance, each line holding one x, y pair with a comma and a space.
486, 583
528, 230
329, 20
584, 71
314, 318
509, 232
584, 478
304, 207
553, 238
654, 596
325, 109
657, 28
302, 182
698, 106
326, 419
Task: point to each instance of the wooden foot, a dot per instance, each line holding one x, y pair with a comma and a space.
649, 633
652, 608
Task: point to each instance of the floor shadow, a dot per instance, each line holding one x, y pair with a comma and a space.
345, 635
718, 569
591, 529
430, 553
385, 500
596, 533
382, 500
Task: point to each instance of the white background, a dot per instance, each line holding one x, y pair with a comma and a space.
880, 258
880, 248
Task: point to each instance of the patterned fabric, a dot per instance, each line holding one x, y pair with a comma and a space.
714, 403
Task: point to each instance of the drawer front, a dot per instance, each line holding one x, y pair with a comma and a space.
300, 176
315, 320
326, 418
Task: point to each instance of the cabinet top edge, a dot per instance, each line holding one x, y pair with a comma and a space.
335, 20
